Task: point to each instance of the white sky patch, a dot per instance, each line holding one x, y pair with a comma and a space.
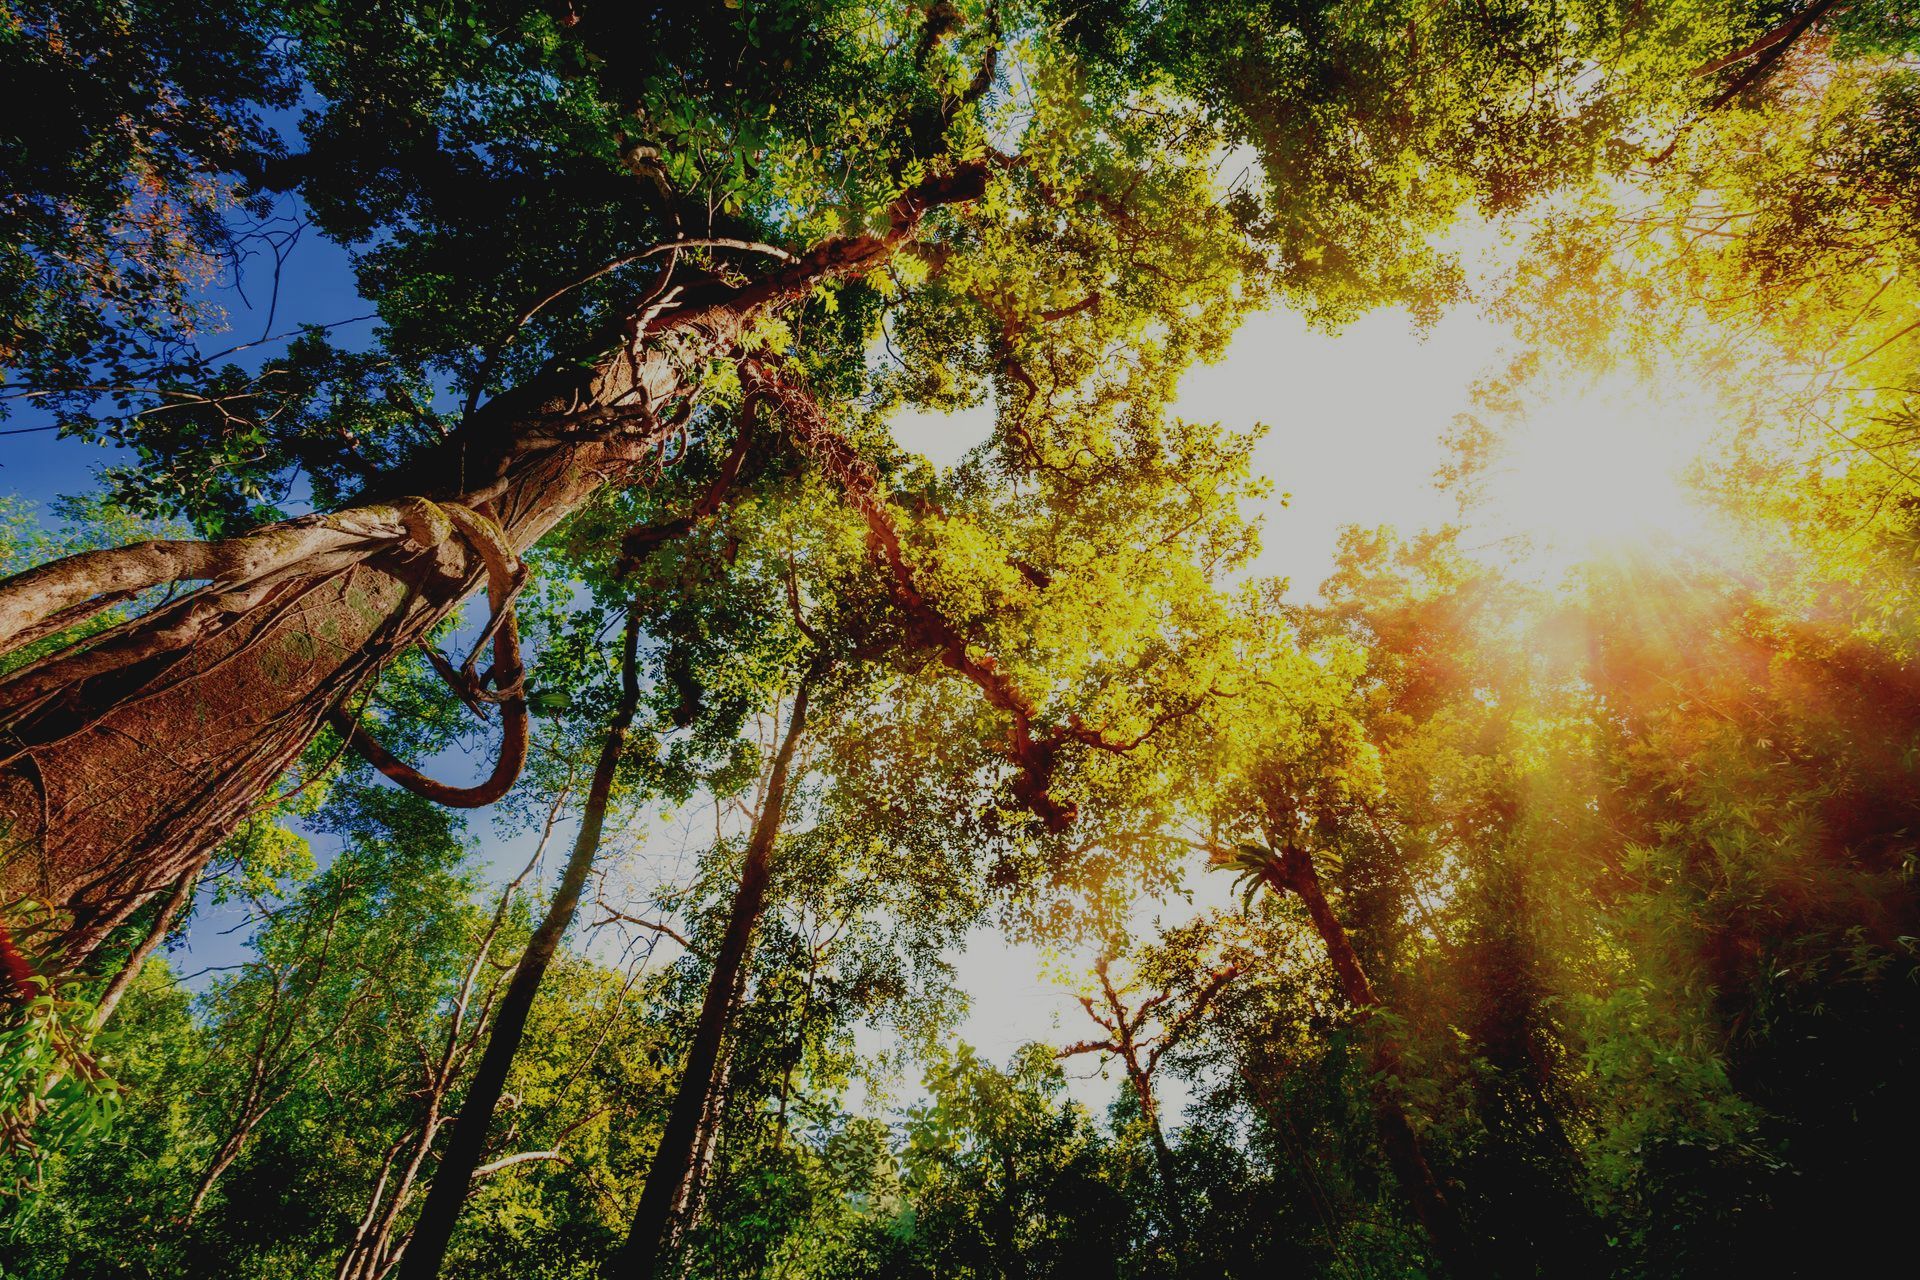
942, 438
1356, 422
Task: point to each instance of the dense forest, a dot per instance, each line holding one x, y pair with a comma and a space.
501, 782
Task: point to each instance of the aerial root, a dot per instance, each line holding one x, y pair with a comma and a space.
505, 575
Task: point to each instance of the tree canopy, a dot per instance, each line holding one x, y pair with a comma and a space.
594, 731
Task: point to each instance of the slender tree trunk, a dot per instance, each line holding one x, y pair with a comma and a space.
373, 1250
1405, 1152
126, 759
1013, 1265
427, 1247
130, 971
639, 1258
799, 1048
359, 1253
1170, 1183
230, 1149
690, 1203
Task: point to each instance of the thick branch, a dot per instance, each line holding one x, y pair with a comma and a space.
67, 591
1785, 33
1036, 755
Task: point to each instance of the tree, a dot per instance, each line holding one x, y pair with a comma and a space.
461, 1160
1587, 945
328, 1176
1140, 1046
1007, 1179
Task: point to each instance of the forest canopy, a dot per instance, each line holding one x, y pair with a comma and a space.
602, 555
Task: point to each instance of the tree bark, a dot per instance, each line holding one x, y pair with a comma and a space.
689, 1203
125, 760
639, 1258
427, 1248
119, 782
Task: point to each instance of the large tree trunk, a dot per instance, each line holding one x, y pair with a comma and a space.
122, 765
124, 762
639, 1258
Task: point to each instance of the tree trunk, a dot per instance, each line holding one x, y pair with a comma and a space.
1006, 1206
125, 760
1163, 1158
690, 1202
1405, 1153
639, 1258
156, 934
118, 783
427, 1247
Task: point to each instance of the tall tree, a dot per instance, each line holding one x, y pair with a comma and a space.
1139, 1036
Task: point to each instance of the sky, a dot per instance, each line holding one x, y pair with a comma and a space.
316, 287
1355, 421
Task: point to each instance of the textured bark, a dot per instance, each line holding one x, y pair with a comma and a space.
118, 782
691, 1201
639, 1258
123, 762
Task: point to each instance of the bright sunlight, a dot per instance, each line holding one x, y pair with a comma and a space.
1597, 469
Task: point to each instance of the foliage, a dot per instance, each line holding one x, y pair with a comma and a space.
1594, 898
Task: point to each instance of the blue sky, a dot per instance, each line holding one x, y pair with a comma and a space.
316, 287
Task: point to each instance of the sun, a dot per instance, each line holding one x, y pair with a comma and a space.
1596, 469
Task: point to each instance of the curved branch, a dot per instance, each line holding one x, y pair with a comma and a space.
520, 1157
505, 573
641, 541
654, 926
